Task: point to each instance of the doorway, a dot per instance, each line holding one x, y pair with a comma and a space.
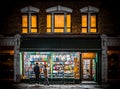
88, 62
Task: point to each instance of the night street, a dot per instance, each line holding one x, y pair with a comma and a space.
58, 86
38, 86
64, 44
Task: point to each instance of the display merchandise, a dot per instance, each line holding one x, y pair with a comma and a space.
77, 68
63, 65
59, 64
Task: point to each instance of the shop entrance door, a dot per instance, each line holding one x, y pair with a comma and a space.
87, 70
88, 67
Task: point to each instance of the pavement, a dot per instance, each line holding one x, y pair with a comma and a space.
11, 85
55, 86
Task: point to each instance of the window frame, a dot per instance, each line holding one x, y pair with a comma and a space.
94, 14
58, 10
29, 23
65, 23
30, 11
89, 11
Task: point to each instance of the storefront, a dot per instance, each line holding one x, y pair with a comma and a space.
6, 59
69, 59
6, 63
113, 64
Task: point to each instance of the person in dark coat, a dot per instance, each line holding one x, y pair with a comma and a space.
37, 73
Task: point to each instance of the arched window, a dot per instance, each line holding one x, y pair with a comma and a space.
29, 19
89, 19
58, 19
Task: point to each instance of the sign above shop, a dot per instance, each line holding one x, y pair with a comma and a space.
57, 43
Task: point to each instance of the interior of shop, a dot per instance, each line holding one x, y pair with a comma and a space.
6, 65
61, 65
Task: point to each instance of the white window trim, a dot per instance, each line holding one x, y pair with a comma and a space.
29, 10
89, 10
58, 9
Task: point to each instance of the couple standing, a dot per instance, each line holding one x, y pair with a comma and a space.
37, 74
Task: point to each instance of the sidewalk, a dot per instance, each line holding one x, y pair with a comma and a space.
56, 86
12, 85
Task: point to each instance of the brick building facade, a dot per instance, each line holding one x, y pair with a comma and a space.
106, 44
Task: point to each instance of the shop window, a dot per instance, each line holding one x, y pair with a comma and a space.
58, 19
89, 19
60, 64
29, 19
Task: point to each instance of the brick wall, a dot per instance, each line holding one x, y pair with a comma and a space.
12, 18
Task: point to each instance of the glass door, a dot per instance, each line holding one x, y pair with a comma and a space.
88, 66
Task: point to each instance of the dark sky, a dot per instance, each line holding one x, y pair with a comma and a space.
7, 5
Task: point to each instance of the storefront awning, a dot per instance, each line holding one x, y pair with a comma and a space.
59, 43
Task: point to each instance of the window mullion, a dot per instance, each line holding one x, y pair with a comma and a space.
29, 22
52, 25
65, 20
89, 22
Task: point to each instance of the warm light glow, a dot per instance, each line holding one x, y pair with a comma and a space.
11, 52
48, 30
24, 24
84, 24
88, 55
93, 24
33, 21
59, 20
84, 30
109, 52
34, 30
76, 68
59, 23
24, 30
24, 21
33, 24
113, 52
68, 30
48, 21
68, 20
84, 20
93, 30
58, 30
93, 21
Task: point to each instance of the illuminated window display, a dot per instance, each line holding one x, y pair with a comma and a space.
59, 64
30, 59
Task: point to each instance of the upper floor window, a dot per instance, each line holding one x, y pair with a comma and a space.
29, 19
89, 19
59, 19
